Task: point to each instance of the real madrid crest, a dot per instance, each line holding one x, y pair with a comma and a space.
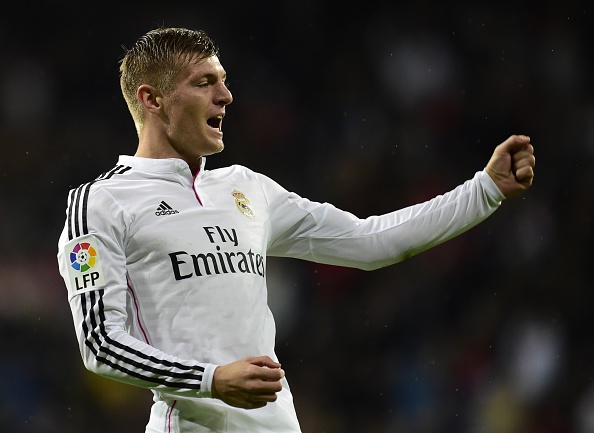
243, 204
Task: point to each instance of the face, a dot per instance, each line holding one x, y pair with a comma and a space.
194, 110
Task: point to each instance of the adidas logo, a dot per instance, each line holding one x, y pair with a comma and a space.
165, 209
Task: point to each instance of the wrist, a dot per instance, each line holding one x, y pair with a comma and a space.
206, 387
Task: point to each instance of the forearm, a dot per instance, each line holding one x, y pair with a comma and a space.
341, 239
108, 350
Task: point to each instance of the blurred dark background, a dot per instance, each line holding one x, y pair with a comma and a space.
372, 107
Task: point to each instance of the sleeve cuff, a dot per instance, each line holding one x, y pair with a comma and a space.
207, 376
491, 188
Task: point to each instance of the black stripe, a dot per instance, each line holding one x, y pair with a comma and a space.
76, 208
93, 302
125, 169
110, 173
113, 171
83, 301
69, 216
85, 227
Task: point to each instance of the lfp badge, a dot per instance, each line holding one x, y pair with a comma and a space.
83, 256
85, 265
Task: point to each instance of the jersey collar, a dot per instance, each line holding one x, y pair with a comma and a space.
162, 166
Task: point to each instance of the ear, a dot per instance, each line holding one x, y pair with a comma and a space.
149, 98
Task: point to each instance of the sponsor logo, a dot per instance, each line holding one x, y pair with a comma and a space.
231, 258
243, 204
188, 265
165, 209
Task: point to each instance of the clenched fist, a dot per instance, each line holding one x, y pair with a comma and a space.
248, 383
512, 165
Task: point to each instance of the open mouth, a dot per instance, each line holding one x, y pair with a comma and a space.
216, 123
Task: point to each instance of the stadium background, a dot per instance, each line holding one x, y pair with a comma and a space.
371, 107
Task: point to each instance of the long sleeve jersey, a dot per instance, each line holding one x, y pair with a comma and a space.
166, 274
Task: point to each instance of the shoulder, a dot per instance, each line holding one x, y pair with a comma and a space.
243, 179
108, 177
99, 188
103, 203
235, 174
231, 171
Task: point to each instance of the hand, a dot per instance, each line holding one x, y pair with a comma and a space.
512, 165
248, 383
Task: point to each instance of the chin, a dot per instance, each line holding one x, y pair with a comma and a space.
214, 150
219, 148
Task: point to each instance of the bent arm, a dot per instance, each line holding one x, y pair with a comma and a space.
107, 348
92, 263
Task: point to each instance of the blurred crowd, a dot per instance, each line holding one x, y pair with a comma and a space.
372, 108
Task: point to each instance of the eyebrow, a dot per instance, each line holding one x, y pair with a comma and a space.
209, 76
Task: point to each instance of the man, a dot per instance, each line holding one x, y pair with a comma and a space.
165, 261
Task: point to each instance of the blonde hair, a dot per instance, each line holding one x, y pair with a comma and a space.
156, 58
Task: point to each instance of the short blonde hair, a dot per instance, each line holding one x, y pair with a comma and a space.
156, 58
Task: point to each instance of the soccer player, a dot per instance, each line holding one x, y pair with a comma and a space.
165, 261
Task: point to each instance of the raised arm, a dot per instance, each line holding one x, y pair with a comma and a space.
319, 232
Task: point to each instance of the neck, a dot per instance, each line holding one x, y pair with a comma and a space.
156, 149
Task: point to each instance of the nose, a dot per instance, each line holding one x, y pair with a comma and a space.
223, 96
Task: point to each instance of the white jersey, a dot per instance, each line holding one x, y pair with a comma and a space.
166, 274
